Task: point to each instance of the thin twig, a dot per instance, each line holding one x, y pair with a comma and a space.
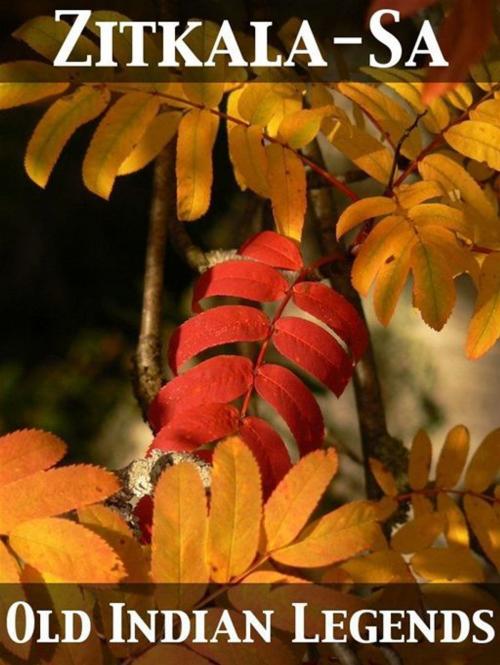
181, 241
375, 438
399, 146
439, 139
147, 370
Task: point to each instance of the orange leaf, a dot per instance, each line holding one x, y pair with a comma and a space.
179, 537
456, 530
11, 592
27, 451
235, 510
111, 527
287, 184
485, 525
67, 551
384, 567
297, 495
418, 534
453, 456
484, 466
54, 492
420, 461
335, 537
448, 565
384, 477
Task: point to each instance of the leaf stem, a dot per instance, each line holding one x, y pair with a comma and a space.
375, 438
320, 170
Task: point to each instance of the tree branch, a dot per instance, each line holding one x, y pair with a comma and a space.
375, 439
147, 365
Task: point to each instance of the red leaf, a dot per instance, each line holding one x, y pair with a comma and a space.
269, 451
273, 249
220, 379
334, 310
315, 350
464, 36
222, 325
240, 279
405, 7
191, 429
294, 402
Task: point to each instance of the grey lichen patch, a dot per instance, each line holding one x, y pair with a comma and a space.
140, 477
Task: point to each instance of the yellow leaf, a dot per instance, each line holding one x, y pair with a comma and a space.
454, 179
456, 531
389, 115
197, 133
117, 135
45, 35
433, 288
409, 196
437, 116
335, 537
391, 280
66, 550
292, 502
53, 492
289, 102
300, 128
179, 538
461, 96
160, 132
420, 461
111, 527
484, 328
455, 564
287, 184
257, 103
453, 457
207, 93
383, 244
421, 505
57, 126
360, 211
488, 111
249, 158
478, 140
484, 465
26, 451
19, 86
418, 534
384, 567
384, 477
437, 214
365, 151
235, 510
485, 525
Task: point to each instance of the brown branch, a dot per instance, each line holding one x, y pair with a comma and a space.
375, 438
181, 241
147, 365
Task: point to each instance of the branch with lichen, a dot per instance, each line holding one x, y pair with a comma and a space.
375, 438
